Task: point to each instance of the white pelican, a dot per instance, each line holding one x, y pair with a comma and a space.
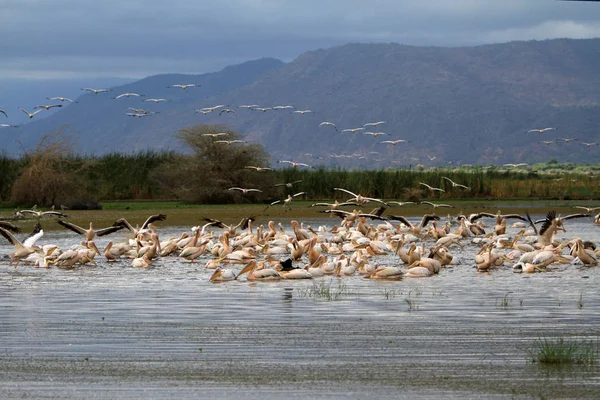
287, 202
515, 165
360, 200
228, 142
249, 106
226, 111
415, 229
546, 142
375, 134
8, 126
589, 144
258, 169
454, 184
552, 224
374, 123
394, 142
156, 100
436, 205
222, 275
353, 130
567, 140
214, 135
128, 94
302, 112
327, 123
141, 262
61, 99
541, 130
96, 91
283, 107
47, 106
262, 274
288, 184
294, 164
90, 233
188, 85
245, 190
587, 209
30, 115
40, 214
389, 273
431, 187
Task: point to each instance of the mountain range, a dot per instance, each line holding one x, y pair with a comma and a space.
474, 105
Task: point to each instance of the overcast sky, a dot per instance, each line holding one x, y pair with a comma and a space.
44, 39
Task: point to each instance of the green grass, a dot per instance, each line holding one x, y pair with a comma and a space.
563, 352
325, 291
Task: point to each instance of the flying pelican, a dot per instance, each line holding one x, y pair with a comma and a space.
21, 251
327, 123
360, 200
145, 226
8, 126
515, 165
139, 115
48, 106
213, 108
431, 187
289, 184
400, 203
128, 94
230, 141
184, 86
90, 233
294, 164
283, 107
4, 112
287, 202
61, 99
374, 123
249, 106
263, 109
259, 169
589, 144
215, 134
156, 100
96, 91
302, 112
567, 140
541, 130
374, 134
227, 111
40, 214
395, 142
30, 115
245, 190
454, 184
436, 205
353, 130
546, 142
587, 209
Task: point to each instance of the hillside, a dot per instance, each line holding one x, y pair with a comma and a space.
459, 105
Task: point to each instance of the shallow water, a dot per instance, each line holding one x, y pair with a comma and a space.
111, 331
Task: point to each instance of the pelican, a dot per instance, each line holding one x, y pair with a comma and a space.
245, 190
294, 164
327, 123
183, 87
128, 94
21, 251
63, 99
567, 140
454, 184
145, 226
263, 274
374, 134
302, 112
228, 142
40, 214
214, 135
431, 187
90, 233
436, 205
8, 126
415, 228
515, 165
30, 115
552, 224
360, 200
287, 202
587, 209
541, 130
374, 123
258, 169
589, 144
283, 107
47, 106
353, 130
4, 112
156, 100
96, 91
289, 184
249, 106
227, 111
222, 275
546, 142
394, 142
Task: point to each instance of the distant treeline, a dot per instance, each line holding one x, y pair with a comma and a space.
141, 176
52, 175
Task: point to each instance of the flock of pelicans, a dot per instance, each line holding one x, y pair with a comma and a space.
353, 247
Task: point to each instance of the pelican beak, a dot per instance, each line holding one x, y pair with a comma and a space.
247, 268
216, 275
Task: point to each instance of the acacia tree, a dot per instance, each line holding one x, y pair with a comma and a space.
217, 163
50, 176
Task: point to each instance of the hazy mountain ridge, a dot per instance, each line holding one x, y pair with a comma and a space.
467, 104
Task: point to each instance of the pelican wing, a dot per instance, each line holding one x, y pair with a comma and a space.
574, 216
427, 218
9, 227
401, 219
73, 227
153, 218
108, 230
10, 237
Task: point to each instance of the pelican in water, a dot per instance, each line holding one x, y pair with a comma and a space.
21, 250
552, 224
262, 274
145, 228
415, 229
223, 275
